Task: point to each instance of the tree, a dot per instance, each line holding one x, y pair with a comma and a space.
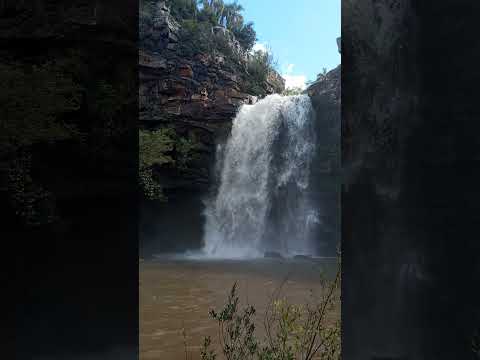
247, 36
233, 17
183, 9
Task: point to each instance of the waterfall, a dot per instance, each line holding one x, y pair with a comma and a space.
262, 199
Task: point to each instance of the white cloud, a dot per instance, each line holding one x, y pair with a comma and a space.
259, 47
295, 81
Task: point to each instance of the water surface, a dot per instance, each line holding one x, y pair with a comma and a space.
178, 293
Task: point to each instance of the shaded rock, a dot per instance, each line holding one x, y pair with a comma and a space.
273, 255
151, 60
195, 95
302, 257
325, 94
185, 71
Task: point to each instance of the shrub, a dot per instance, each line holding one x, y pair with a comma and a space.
213, 13
160, 147
292, 332
183, 9
259, 66
154, 149
246, 36
195, 37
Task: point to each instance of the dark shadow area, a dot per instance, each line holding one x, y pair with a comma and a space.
68, 175
409, 203
172, 227
325, 177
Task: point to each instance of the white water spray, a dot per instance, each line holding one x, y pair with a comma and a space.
262, 202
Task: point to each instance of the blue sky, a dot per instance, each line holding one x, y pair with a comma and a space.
301, 34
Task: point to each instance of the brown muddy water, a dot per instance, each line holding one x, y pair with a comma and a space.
177, 294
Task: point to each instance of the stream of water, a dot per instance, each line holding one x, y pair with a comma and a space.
262, 202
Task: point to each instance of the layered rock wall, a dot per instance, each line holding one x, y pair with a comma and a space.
197, 94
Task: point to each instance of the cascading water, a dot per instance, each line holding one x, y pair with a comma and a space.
262, 202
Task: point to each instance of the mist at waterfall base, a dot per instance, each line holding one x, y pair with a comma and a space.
262, 201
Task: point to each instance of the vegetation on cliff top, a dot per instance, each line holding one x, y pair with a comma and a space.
234, 38
216, 13
207, 27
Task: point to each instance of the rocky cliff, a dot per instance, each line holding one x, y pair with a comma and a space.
195, 92
193, 86
325, 94
410, 153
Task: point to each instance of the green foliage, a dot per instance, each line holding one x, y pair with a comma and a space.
183, 9
196, 37
304, 332
246, 36
32, 101
154, 147
236, 328
161, 147
151, 188
292, 332
199, 20
207, 353
259, 66
185, 151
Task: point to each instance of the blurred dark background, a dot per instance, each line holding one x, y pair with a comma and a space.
410, 201
68, 175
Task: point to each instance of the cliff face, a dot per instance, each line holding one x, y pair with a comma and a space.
196, 92
325, 94
410, 137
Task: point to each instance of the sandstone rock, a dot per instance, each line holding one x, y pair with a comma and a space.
185, 71
198, 93
151, 60
219, 94
275, 83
